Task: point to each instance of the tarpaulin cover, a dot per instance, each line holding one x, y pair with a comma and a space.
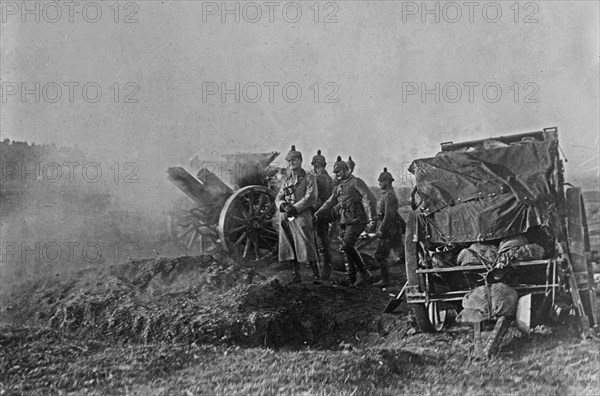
487, 194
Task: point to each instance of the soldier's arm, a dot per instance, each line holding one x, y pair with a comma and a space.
366, 193
310, 197
330, 203
329, 186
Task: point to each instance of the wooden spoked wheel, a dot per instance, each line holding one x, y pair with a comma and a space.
194, 230
247, 223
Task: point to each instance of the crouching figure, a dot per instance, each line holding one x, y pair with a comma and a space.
491, 301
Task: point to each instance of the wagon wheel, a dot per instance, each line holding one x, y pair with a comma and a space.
192, 229
420, 311
436, 315
579, 244
247, 223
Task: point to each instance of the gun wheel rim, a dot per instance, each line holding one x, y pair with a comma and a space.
247, 223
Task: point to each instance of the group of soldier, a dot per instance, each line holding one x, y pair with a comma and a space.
310, 202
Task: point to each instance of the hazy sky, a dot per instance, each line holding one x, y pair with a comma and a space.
367, 63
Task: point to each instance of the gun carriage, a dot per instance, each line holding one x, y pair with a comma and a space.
240, 220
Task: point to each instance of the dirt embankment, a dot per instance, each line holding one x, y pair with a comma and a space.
198, 299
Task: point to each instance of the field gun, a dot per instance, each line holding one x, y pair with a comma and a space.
238, 216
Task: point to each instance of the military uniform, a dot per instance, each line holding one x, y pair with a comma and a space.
391, 227
324, 188
347, 197
296, 200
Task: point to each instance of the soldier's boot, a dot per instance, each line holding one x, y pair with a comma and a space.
295, 273
493, 344
325, 265
350, 270
316, 275
364, 276
385, 273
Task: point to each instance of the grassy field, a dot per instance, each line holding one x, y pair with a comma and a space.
194, 327
42, 361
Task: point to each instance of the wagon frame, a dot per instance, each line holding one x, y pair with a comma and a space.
560, 282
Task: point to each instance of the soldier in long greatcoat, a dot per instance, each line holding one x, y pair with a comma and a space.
295, 200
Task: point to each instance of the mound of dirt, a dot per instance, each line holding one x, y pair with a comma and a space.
201, 300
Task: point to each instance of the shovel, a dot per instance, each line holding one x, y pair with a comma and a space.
394, 303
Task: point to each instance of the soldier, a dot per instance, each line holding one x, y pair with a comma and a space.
348, 195
390, 227
324, 188
295, 200
351, 164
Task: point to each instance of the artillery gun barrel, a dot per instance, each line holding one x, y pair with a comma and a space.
215, 185
191, 186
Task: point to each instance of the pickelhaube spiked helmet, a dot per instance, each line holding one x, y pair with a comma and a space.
351, 164
293, 154
385, 176
318, 159
339, 164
